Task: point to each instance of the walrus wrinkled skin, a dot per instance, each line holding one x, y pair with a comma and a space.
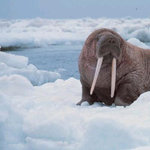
132, 69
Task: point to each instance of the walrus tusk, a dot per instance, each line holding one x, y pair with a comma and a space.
98, 67
113, 77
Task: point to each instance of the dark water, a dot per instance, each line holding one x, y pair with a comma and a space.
53, 58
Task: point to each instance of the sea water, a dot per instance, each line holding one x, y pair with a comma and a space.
59, 58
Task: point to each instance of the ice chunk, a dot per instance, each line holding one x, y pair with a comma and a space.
138, 43
47, 117
21, 84
13, 64
13, 60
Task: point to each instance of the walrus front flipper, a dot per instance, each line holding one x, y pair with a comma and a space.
126, 94
80, 102
87, 97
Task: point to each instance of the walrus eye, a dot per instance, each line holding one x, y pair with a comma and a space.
97, 38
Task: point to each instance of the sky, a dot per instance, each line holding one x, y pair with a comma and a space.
67, 9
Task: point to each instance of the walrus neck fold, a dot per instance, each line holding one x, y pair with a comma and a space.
113, 75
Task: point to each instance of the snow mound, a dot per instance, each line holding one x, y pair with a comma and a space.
13, 64
47, 117
44, 32
14, 60
138, 43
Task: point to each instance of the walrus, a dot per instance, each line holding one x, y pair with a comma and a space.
112, 70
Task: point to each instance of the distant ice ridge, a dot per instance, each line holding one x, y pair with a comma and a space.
47, 117
44, 32
13, 64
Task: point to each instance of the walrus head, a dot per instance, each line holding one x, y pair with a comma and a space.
108, 48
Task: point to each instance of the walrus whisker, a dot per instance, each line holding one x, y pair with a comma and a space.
98, 67
113, 77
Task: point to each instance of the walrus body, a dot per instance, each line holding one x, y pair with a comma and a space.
132, 69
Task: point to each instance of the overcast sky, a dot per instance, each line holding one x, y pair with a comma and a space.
20, 9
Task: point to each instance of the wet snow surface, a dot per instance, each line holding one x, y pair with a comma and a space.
38, 105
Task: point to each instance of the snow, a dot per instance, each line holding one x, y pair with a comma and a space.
40, 32
47, 117
14, 60
13, 64
138, 43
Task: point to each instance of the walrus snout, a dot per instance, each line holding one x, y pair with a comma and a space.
108, 44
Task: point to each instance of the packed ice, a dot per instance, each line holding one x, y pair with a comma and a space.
12, 64
138, 43
38, 110
47, 117
44, 32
